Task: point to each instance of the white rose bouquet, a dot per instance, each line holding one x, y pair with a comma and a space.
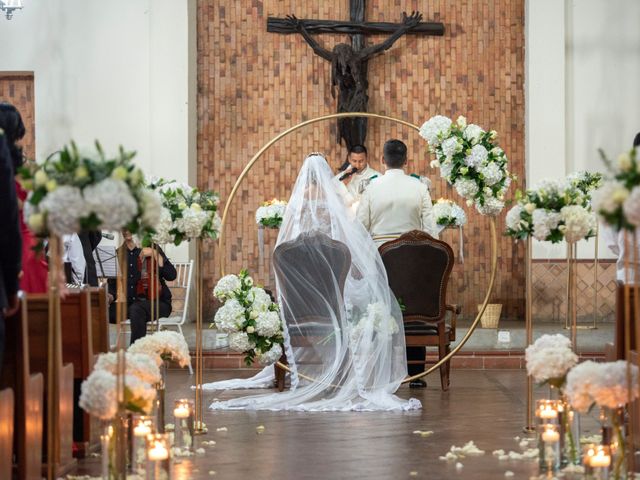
271, 213
187, 213
448, 214
250, 318
549, 359
163, 346
73, 192
470, 160
617, 201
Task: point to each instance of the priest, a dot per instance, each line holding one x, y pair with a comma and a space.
393, 204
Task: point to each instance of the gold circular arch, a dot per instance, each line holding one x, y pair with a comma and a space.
266, 146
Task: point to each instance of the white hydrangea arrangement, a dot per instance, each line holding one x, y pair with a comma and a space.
549, 359
187, 213
617, 202
73, 192
271, 213
377, 319
139, 365
163, 346
555, 210
250, 318
469, 159
98, 395
448, 214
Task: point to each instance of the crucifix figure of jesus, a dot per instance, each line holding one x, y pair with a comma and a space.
349, 62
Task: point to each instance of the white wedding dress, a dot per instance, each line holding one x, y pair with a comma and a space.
351, 356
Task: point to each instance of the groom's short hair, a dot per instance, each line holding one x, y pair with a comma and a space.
394, 153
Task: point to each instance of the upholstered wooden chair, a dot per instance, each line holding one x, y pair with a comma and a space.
418, 267
321, 262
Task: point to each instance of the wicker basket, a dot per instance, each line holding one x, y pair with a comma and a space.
491, 316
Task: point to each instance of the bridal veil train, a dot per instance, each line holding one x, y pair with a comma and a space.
343, 331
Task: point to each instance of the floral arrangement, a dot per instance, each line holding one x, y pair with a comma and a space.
73, 192
448, 214
553, 211
163, 346
377, 319
250, 318
617, 202
98, 395
271, 213
549, 359
603, 384
470, 160
585, 181
139, 365
187, 213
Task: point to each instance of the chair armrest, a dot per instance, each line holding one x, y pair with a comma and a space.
455, 311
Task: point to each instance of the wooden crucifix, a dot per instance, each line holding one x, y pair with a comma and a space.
349, 62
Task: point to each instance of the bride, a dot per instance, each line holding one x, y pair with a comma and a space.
343, 331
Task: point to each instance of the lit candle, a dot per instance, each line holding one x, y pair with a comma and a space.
181, 411
550, 435
158, 452
141, 430
547, 412
600, 459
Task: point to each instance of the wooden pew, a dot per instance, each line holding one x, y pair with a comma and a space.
28, 390
38, 312
634, 410
620, 320
6, 432
99, 319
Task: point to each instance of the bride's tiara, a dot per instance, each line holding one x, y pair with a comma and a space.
317, 154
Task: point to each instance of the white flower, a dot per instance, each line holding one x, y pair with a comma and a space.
631, 207
550, 358
162, 346
450, 147
544, 221
260, 300
530, 207
98, 395
226, 287
609, 197
466, 188
491, 172
434, 129
272, 356
192, 221
461, 121
65, 207
230, 316
445, 170
40, 178
624, 162
163, 228
473, 133
151, 206
139, 365
476, 157
514, 220
578, 222
112, 202
492, 206
448, 213
177, 187
274, 211
268, 324
239, 342
435, 163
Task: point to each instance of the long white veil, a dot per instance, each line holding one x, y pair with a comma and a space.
344, 337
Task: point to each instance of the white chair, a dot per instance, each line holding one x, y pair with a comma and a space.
180, 291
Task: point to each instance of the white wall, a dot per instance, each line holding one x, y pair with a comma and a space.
117, 71
582, 66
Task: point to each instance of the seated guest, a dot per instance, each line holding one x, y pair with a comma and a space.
138, 286
354, 179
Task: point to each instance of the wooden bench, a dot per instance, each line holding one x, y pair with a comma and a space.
38, 313
99, 319
6, 432
28, 389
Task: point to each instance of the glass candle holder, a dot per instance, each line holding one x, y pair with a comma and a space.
184, 418
158, 456
141, 426
547, 411
597, 461
549, 446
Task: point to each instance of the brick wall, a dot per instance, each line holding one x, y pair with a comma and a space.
17, 89
253, 84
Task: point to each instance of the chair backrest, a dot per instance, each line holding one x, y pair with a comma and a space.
322, 263
180, 290
418, 267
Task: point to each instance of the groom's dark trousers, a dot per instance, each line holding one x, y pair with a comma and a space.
415, 353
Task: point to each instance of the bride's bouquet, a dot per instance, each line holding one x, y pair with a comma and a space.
250, 318
73, 192
448, 214
271, 213
470, 160
187, 213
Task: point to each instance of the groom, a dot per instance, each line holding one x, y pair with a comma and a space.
394, 204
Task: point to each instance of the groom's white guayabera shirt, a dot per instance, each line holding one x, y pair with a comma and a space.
396, 203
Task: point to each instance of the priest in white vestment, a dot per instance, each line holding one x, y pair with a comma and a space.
396, 203
353, 184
